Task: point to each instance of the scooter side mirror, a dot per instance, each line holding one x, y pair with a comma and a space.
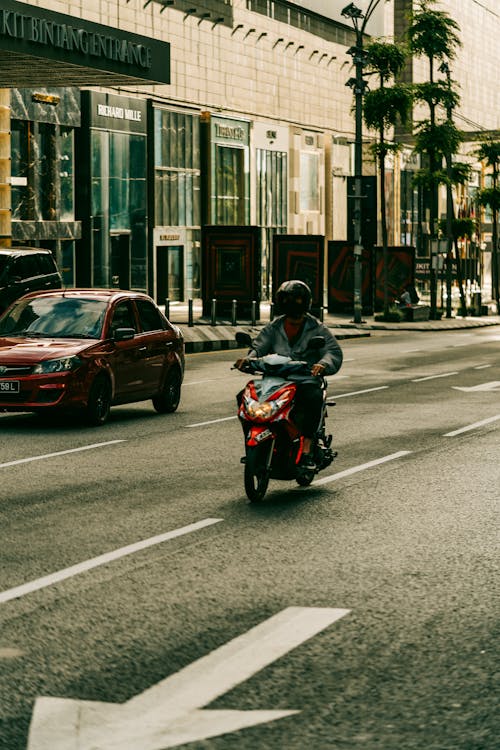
243, 339
317, 342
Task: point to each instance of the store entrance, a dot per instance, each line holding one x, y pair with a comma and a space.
120, 260
169, 273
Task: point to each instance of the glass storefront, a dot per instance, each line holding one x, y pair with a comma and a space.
118, 191
272, 203
309, 181
229, 179
177, 218
42, 148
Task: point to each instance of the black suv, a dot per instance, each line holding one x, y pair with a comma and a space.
26, 269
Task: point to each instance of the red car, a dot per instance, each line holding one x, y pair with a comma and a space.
86, 350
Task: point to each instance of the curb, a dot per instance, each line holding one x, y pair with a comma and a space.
209, 339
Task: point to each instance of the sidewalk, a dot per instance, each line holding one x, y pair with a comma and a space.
203, 337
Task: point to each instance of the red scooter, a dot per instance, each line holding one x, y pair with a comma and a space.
271, 424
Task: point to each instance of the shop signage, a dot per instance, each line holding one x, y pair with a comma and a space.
43, 33
119, 113
115, 112
169, 236
231, 131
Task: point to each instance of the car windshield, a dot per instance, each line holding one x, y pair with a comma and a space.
55, 317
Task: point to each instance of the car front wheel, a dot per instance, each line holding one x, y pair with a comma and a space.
99, 401
168, 399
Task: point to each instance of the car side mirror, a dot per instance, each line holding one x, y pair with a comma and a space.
124, 334
243, 339
317, 342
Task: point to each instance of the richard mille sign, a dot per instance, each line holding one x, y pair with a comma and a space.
119, 113
40, 33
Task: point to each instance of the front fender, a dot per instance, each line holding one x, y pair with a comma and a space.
258, 434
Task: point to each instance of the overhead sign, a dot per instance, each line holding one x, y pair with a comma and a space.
171, 713
68, 41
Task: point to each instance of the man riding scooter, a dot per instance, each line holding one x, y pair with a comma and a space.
289, 335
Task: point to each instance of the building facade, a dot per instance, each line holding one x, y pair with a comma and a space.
239, 114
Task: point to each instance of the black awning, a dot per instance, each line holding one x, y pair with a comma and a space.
40, 47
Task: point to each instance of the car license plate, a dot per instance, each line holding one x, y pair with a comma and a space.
9, 386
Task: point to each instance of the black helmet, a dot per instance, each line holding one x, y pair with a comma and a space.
293, 298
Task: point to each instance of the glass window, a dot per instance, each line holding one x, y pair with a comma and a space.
66, 172
177, 161
229, 185
20, 139
119, 177
123, 317
149, 316
309, 181
26, 267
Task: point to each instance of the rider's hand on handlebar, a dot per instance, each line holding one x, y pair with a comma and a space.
317, 369
240, 363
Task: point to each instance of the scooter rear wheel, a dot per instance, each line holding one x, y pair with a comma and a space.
257, 471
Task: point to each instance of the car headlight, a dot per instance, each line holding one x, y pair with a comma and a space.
57, 365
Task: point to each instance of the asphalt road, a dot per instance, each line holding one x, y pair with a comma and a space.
368, 602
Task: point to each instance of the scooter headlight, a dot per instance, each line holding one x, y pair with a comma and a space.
264, 409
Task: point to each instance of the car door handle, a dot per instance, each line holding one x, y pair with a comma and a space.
143, 348
169, 343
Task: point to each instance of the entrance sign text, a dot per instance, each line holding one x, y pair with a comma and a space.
66, 37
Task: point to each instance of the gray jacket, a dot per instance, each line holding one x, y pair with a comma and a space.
273, 340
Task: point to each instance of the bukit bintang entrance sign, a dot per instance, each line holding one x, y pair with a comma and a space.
38, 46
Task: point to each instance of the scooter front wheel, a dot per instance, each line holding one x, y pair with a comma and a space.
257, 471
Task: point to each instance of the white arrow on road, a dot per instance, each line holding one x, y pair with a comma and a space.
494, 385
169, 713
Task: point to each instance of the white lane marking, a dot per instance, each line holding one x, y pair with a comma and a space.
493, 385
198, 382
361, 467
60, 453
349, 359
211, 421
357, 393
73, 570
410, 351
481, 367
472, 426
433, 377
171, 712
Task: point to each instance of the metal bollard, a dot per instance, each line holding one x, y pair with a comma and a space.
254, 312
321, 313
167, 308
233, 313
214, 319
271, 311
190, 313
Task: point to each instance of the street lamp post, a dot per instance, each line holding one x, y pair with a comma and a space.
358, 84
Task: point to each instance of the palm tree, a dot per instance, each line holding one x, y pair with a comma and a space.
384, 108
433, 34
490, 153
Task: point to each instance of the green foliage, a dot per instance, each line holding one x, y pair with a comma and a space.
461, 173
385, 58
489, 152
433, 33
385, 107
380, 150
490, 197
436, 93
438, 139
460, 228
428, 180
